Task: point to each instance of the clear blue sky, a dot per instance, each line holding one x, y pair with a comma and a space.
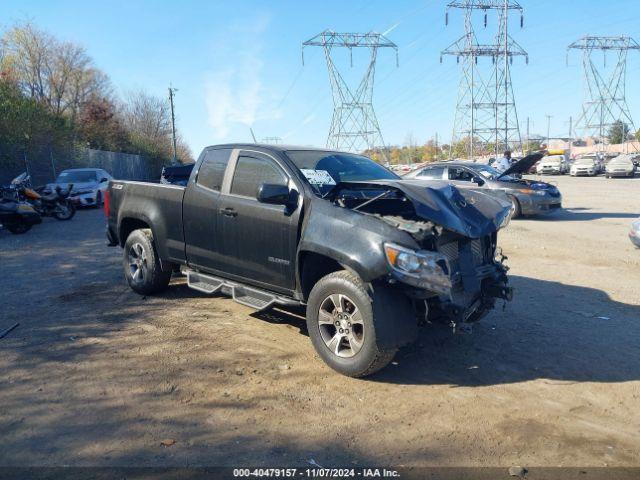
238, 64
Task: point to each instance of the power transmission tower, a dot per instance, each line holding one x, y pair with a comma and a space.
486, 110
605, 102
354, 126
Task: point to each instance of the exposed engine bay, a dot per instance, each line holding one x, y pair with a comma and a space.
466, 240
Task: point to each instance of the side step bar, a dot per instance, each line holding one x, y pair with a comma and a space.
248, 296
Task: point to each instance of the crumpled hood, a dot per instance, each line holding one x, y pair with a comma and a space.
466, 211
523, 165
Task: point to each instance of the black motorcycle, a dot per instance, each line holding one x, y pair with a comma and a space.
17, 217
55, 204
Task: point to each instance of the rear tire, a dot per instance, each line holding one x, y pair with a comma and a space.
141, 264
342, 328
98, 199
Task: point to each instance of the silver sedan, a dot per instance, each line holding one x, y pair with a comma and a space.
528, 197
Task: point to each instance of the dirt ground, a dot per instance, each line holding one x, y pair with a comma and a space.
97, 375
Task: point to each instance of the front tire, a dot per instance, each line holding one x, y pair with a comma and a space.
141, 264
65, 210
342, 328
517, 212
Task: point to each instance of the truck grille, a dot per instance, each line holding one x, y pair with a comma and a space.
481, 251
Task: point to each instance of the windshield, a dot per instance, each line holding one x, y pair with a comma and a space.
553, 159
324, 170
585, 161
78, 176
487, 171
622, 159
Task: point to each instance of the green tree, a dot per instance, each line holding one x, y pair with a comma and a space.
26, 125
99, 127
618, 132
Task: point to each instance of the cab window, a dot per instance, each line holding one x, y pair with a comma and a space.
252, 172
212, 169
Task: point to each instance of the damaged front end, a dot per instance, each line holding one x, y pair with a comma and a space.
457, 274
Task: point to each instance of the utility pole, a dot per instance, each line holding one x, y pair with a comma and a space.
173, 124
528, 140
570, 132
548, 129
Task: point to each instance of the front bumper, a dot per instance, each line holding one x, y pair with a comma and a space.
621, 173
538, 204
584, 172
549, 171
477, 280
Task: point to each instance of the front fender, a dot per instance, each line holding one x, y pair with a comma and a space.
354, 240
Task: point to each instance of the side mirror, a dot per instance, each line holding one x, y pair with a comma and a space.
273, 194
478, 181
104, 179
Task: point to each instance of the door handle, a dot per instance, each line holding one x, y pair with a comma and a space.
228, 212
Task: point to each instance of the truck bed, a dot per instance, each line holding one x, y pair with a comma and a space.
159, 205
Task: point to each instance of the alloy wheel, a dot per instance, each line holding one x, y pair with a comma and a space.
341, 325
137, 263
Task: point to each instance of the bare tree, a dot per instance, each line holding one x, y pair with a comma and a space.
147, 115
58, 74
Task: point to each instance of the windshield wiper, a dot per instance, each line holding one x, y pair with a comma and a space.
371, 200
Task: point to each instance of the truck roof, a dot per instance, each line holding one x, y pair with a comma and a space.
274, 147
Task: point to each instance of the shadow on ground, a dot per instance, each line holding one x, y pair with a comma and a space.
584, 214
551, 330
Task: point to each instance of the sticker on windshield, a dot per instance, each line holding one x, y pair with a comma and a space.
318, 177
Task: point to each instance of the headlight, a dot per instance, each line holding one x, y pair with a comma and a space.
422, 269
530, 191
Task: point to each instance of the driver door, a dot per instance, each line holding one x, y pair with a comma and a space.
257, 240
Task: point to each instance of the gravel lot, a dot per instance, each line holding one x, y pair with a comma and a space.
97, 375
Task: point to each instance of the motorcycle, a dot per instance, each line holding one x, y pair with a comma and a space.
55, 204
17, 217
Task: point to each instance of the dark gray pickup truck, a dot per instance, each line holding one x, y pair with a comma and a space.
370, 256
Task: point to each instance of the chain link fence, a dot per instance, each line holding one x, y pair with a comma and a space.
45, 163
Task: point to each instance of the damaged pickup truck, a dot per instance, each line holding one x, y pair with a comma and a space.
370, 256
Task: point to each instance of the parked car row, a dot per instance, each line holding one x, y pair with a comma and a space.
624, 165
